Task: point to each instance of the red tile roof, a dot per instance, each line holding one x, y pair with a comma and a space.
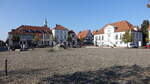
95, 32
83, 34
24, 28
60, 27
120, 27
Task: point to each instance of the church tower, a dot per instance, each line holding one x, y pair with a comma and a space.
45, 23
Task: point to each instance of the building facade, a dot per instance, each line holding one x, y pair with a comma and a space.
86, 37
111, 35
60, 34
27, 36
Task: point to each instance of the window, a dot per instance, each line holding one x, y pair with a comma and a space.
64, 37
120, 36
57, 36
96, 38
102, 37
116, 42
116, 37
120, 42
108, 35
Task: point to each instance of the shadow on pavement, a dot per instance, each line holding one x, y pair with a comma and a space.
19, 74
112, 75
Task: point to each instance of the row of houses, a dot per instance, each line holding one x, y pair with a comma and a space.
109, 35
26, 36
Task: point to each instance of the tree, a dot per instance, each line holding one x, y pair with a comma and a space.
144, 30
127, 37
15, 38
147, 39
2, 43
69, 39
36, 38
80, 40
7, 41
54, 40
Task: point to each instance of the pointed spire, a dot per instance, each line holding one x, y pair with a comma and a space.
45, 23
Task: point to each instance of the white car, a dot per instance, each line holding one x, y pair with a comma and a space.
133, 45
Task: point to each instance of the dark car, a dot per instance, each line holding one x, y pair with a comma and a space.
15, 47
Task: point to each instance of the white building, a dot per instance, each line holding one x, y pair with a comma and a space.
60, 33
111, 34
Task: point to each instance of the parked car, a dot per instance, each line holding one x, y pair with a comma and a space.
61, 46
147, 46
133, 45
15, 47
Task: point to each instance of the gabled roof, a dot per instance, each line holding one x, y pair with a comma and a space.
34, 27
60, 27
83, 34
33, 30
71, 31
95, 32
119, 27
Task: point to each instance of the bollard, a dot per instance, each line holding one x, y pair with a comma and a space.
6, 67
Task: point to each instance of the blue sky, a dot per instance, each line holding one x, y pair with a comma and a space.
73, 14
